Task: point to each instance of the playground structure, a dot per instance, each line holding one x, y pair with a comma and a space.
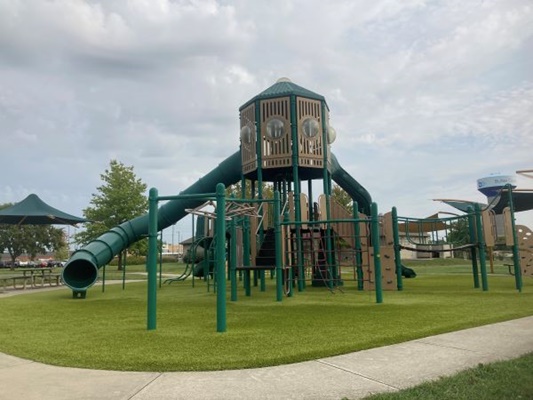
285, 138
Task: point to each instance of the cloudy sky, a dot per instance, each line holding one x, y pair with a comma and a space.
426, 95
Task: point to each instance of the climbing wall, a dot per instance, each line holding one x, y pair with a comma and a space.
525, 246
388, 274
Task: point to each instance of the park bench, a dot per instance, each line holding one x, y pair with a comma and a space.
11, 280
510, 267
41, 275
53, 279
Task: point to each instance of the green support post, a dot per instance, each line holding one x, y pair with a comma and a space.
124, 274
297, 191
516, 253
160, 258
205, 263
377, 254
397, 254
245, 243
310, 215
329, 245
246, 256
481, 247
193, 240
247, 283
258, 151
473, 253
262, 281
221, 257
151, 261
259, 142
358, 247
103, 279
255, 276
233, 259
290, 278
277, 232
288, 258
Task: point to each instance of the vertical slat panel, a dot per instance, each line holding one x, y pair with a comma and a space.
276, 151
310, 149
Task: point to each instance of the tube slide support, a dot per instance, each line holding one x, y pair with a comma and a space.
221, 257
377, 253
151, 261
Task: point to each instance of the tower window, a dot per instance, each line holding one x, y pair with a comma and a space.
275, 128
310, 128
246, 135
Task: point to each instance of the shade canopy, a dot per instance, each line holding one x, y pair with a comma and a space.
33, 211
522, 201
462, 205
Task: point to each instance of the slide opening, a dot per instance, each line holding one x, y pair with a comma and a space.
80, 274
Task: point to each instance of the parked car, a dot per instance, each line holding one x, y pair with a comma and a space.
55, 263
9, 264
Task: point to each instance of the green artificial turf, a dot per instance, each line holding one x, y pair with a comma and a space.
108, 330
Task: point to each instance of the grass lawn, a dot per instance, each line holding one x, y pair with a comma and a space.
452, 266
108, 330
138, 272
501, 380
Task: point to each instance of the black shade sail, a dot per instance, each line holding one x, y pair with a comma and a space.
461, 205
522, 201
33, 211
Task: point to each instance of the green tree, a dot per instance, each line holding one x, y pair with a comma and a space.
121, 198
342, 197
30, 239
63, 253
235, 190
458, 235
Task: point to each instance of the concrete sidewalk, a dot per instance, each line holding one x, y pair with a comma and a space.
352, 375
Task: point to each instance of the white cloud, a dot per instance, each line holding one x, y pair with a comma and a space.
425, 96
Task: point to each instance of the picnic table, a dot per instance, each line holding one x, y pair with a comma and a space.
13, 280
42, 274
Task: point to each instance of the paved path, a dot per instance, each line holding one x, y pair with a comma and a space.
352, 375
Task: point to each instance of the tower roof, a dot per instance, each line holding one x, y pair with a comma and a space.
284, 87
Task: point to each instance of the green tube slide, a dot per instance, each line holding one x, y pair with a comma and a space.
350, 185
81, 271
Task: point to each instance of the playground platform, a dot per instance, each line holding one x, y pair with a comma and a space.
351, 376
